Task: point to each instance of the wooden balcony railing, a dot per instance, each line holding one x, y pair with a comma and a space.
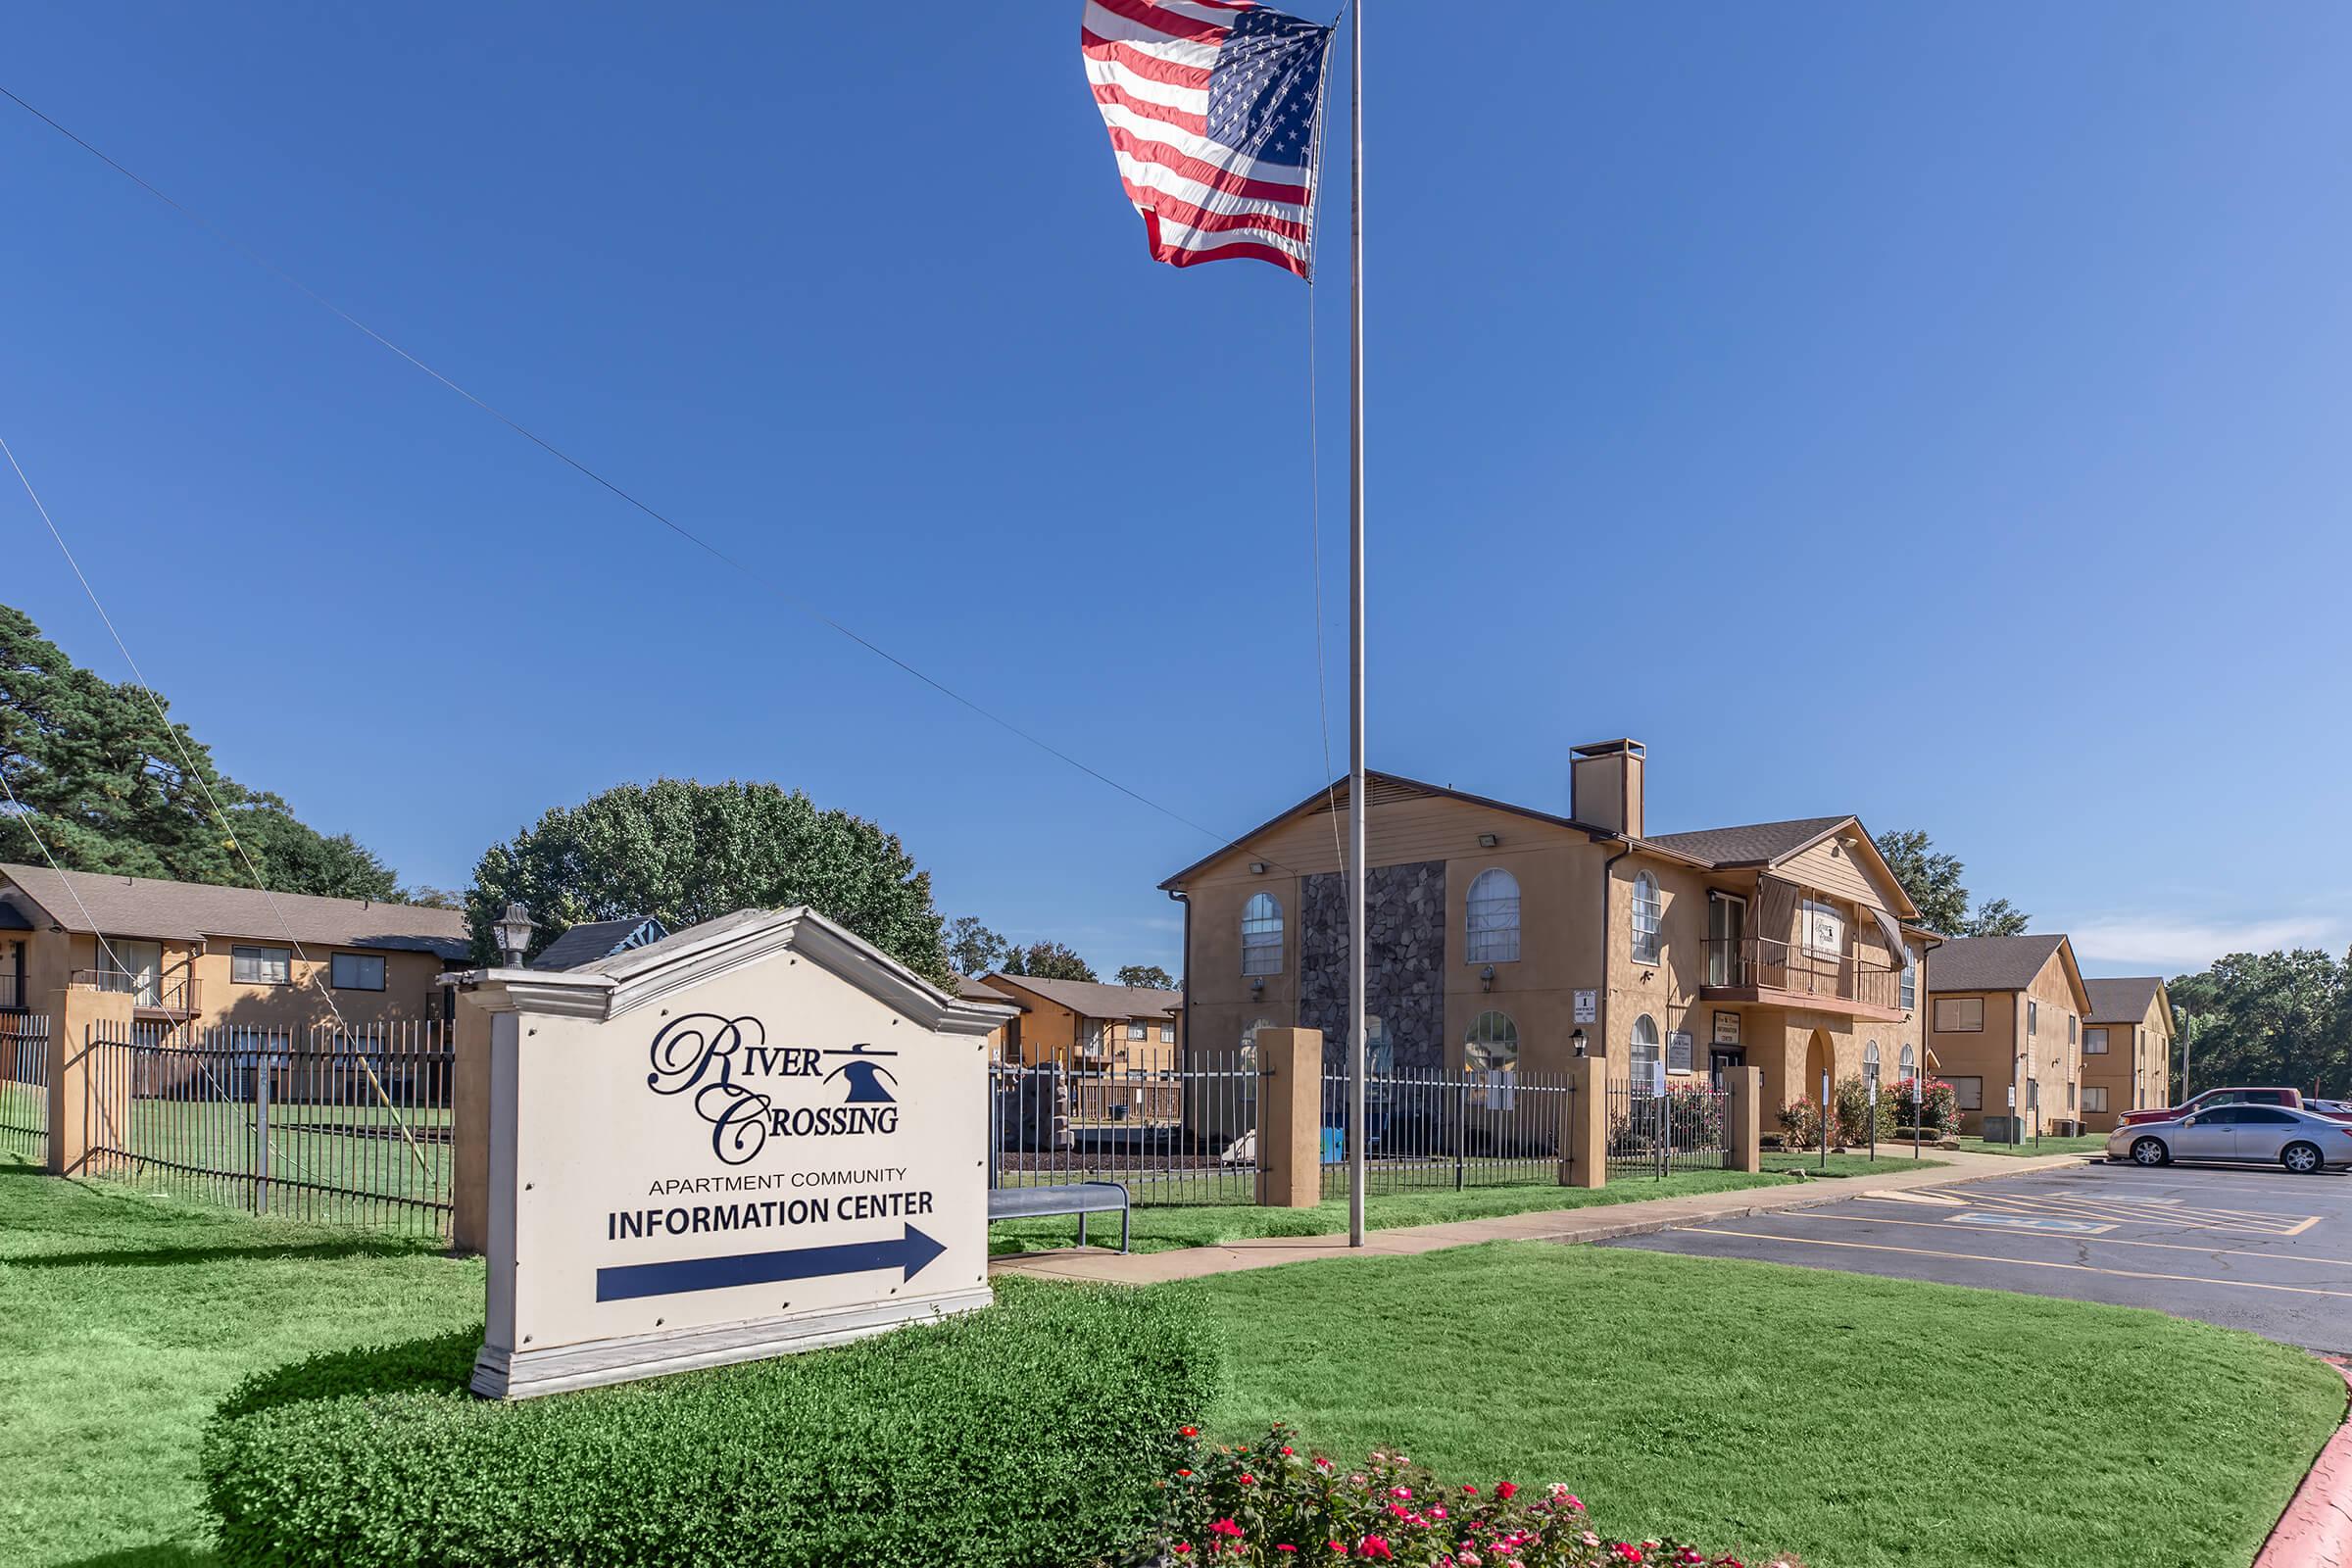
1767, 964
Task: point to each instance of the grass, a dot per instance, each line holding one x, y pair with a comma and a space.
125, 1316
1889, 1162
2085, 1143
1160, 1230
1853, 1421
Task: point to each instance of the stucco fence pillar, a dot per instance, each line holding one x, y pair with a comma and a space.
89, 1087
469, 1130
1743, 1133
1585, 1124
1290, 1118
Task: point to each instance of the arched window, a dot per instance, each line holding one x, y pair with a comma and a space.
1261, 935
1493, 1045
1910, 1061
1644, 1053
1648, 909
1494, 918
1870, 1063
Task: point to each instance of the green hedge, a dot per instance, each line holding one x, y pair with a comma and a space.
1034, 1432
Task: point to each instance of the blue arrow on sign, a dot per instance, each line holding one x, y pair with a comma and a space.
627, 1282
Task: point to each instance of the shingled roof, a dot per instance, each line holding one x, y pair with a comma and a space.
1756, 844
188, 911
1991, 963
592, 940
2124, 1000
1091, 999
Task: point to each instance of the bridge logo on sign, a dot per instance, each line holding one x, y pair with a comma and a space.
743, 1087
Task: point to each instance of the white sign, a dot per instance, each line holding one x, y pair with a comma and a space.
757, 1135
2013, 1096
1678, 1051
1587, 1007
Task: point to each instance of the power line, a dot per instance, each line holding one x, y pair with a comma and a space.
560, 454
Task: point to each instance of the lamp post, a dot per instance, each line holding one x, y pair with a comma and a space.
513, 929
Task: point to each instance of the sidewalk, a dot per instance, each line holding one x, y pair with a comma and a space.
1556, 1225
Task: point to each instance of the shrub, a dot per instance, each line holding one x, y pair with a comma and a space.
1036, 1432
1274, 1502
1857, 1110
1800, 1125
1940, 1109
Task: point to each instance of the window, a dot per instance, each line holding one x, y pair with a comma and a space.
2033, 1017
1870, 1061
2262, 1117
1261, 935
1910, 980
2094, 1042
261, 966
1645, 1053
2094, 1097
1494, 918
1648, 910
2072, 1024
1493, 1045
357, 971
1969, 1093
2070, 1094
1910, 1062
1136, 1030
1960, 1015
1167, 1034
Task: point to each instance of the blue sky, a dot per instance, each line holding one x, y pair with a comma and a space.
1932, 412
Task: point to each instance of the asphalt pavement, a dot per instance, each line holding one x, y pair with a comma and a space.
2247, 1246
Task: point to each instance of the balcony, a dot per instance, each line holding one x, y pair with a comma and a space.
12, 993
172, 997
1764, 969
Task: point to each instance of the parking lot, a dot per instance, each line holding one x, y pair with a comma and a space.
2250, 1248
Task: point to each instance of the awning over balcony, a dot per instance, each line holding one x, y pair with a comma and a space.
1892, 930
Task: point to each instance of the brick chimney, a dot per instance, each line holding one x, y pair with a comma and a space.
1605, 785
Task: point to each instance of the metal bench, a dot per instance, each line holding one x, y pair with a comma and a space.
1069, 1197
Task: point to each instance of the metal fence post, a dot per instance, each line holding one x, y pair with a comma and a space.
261, 1148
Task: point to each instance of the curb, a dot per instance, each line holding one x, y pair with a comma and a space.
2316, 1531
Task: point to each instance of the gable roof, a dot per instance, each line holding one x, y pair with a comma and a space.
188, 911
1092, 999
969, 989
591, 940
1756, 844
2124, 1000
1991, 963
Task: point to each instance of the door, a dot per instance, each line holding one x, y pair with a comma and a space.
1722, 1060
2262, 1131
1727, 926
143, 963
2207, 1135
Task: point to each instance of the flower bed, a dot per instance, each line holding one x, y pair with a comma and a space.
1276, 1503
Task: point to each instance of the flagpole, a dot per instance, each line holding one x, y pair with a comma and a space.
1356, 1028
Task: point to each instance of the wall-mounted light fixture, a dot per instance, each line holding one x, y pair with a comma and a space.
1257, 986
1579, 1041
1258, 868
1486, 841
1486, 978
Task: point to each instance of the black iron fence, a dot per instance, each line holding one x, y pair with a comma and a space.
1425, 1130
345, 1126
25, 1085
1653, 1132
1184, 1136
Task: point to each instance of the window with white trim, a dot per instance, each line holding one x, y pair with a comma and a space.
2094, 1097
1649, 911
356, 971
2072, 1024
1910, 980
1493, 1044
1167, 1034
1644, 1053
1136, 1030
1909, 1060
261, 966
1960, 1015
1261, 935
2033, 1017
1491, 918
1969, 1093
1870, 1061
2095, 1044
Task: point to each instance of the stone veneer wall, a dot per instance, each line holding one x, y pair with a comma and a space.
1405, 978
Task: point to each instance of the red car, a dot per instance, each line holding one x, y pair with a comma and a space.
2291, 1098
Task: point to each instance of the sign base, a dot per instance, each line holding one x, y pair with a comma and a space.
500, 1373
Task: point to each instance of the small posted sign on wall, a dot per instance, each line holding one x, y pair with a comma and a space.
1678, 1051
1587, 1007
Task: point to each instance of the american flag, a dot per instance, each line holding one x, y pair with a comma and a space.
1212, 106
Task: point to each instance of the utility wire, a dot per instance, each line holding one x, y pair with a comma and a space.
543, 443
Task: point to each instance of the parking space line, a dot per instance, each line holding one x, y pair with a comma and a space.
2102, 1240
2027, 1262
2135, 1212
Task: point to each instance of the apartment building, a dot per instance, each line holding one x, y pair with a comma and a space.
1507, 937
2126, 1050
2005, 1029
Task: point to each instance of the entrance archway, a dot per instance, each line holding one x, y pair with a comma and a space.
1820, 1057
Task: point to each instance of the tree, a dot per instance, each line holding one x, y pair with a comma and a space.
429, 897
1151, 975
972, 948
2270, 1018
109, 784
1047, 960
1931, 881
686, 852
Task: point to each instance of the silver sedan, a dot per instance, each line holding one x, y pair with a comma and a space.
2300, 1141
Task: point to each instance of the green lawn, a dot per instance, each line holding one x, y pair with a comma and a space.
1160, 1230
1889, 1162
1851, 1420
2086, 1144
125, 1317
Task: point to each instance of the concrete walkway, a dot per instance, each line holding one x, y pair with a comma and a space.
1600, 1223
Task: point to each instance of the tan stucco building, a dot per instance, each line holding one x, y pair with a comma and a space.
2126, 1050
2005, 1029
1505, 937
1086, 1027
193, 954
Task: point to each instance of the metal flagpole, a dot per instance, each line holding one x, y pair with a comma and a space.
1356, 932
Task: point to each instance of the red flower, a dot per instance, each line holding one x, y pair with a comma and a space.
1184, 1472
1183, 1547
1285, 1548
1225, 1527
1508, 1491
1469, 1492
1286, 1452
1247, 1479
1188, 1432
1376, 1547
